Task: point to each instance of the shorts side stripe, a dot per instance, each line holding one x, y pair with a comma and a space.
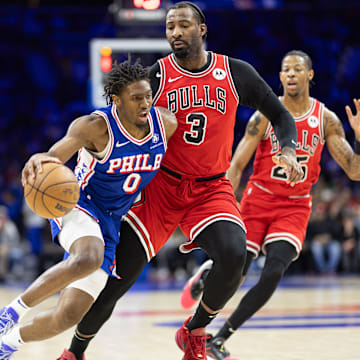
58, 222
196, 230
141, 232
252, 247
86, 212
290, 238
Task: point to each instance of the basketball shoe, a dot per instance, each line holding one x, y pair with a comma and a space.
215, 348
6, 351
192, 343
8, 319
195, 286
68, 355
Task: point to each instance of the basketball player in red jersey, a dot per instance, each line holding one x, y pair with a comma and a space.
204, 90
275, 214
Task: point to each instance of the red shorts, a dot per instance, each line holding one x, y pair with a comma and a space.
270, 218
168, 202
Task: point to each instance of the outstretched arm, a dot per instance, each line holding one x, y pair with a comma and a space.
254, 92
337, 144
255, 130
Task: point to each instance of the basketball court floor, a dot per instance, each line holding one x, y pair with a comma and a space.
308, 318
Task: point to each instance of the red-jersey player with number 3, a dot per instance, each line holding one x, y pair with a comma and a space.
276, 214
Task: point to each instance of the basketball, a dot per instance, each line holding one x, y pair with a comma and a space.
54, 192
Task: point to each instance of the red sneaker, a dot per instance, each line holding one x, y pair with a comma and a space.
192, 343
68, 355
195, 285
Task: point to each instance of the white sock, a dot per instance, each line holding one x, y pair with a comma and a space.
19, 306
13, 338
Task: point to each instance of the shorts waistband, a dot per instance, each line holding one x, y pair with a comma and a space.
263, 188
201, 179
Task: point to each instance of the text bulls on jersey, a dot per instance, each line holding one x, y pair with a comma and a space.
303, 145
193, 96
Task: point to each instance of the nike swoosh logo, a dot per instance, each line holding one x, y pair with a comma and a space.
121, 144
174, 79
158, 75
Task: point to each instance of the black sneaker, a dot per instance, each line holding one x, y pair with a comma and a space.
215, 348
195, 286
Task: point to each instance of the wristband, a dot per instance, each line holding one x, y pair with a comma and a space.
357, 147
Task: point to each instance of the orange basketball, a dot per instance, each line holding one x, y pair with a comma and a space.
54, 192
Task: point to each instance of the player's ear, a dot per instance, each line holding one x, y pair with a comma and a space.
203, 29
116, 100
311, 74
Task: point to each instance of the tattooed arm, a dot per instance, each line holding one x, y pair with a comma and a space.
255, 130
338, 146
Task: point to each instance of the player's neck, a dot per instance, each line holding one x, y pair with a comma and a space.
297, 105
194, 61
136, 131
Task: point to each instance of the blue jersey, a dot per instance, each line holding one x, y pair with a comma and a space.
110, 182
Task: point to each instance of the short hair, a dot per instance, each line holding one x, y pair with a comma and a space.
122, 75
302, 54
195, 9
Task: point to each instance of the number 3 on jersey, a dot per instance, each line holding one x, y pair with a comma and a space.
278, 172
196, 135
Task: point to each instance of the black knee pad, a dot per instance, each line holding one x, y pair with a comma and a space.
225, 243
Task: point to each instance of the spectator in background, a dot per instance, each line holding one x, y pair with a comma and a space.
9, 238
350, 242
12, 197
34, 225
323, 233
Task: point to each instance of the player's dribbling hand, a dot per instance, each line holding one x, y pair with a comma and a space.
287, 160
33, 166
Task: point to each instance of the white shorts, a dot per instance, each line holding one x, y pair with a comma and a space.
77, 224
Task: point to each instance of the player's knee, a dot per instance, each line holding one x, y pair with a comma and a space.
68, 317
233, 262
235, 256
87, 262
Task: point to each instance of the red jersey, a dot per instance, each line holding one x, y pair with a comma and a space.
271, 177
205, 105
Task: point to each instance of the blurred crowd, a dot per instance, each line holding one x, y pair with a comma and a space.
44, 85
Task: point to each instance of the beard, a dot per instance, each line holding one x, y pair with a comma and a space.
181, 53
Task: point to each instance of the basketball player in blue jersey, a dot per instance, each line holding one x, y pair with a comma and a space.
120, 149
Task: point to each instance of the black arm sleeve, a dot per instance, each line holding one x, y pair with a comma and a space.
154, 78
254, 92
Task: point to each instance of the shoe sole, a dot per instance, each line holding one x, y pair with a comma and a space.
186, 300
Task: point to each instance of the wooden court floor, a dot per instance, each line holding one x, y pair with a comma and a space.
306, 319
